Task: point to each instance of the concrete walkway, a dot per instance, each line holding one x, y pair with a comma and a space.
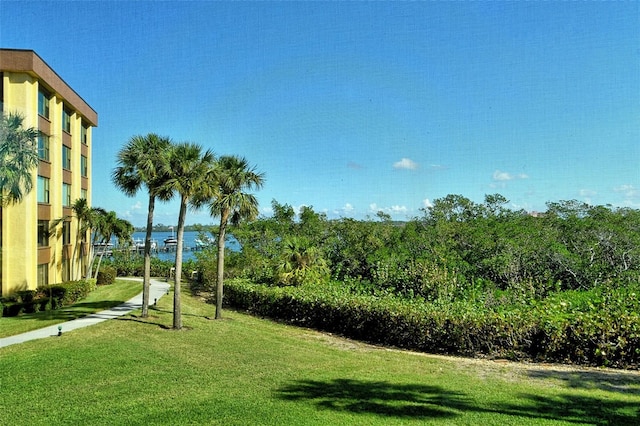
157, 290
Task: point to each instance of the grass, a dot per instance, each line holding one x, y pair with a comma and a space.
104, 297
247, 371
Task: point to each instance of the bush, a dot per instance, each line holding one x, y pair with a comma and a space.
593, 328
69, 292
133, 266
49, 297
106, 275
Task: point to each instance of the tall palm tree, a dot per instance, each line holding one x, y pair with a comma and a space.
233, 176
18, 158
82, 213
143, 161
190, 169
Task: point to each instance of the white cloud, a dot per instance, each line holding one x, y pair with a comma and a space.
437, 167
426, 203
501, 176
405, 163
629, 191
398, 209
587, 193
346, 210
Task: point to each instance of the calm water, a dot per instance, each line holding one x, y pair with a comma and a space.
189, 244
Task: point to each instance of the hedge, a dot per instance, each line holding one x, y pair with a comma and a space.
600, 333
53, 296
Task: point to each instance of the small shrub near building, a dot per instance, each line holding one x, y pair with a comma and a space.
106, 275
45, 298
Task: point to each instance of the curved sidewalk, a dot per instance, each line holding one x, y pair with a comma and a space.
157, 290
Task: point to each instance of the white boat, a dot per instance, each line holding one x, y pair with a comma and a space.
172, 240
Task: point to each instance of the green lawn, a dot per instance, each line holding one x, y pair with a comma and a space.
247, 371
104, 297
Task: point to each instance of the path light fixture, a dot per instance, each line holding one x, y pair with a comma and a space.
59, 330
155, 302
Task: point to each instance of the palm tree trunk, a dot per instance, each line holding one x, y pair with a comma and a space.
177, 308
76, 266
147, 258
104, 249
220, 284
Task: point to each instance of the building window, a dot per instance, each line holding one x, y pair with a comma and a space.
84, 167
66, 120
66, 157
43, 233
43, 189
43, 103
43, 275
84, 134
66, 232
66, 195
83, 193
43, 146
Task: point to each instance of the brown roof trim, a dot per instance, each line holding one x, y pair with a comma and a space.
19, 60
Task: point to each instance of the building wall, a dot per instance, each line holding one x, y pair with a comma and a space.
23, 74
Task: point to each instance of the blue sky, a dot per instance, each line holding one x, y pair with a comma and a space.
355, 107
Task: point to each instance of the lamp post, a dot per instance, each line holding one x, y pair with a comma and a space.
59, 330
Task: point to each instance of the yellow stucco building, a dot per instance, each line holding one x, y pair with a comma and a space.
30, 255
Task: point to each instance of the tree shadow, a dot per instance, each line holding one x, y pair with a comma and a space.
381, 398
574, 408
610, 381
417, 401
146, 321
75, 311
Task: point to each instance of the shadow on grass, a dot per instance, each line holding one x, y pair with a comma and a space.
610, 381
150, 320
420, 402
574, 408
380, 398
72, 312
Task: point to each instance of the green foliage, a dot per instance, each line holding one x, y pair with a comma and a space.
301, 263
46, 298
128, 265
106, 275
600, 328
466, 277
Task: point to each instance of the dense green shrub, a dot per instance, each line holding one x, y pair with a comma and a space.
70, 292
133, 265
46, 298
601, 328
106, 275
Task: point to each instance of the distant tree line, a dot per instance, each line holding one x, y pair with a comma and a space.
572, 245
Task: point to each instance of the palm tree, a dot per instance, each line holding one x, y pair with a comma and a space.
301, 262
82, 212
110, 226
94, 221
143, 161
18, 158
233, 177
190, 170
